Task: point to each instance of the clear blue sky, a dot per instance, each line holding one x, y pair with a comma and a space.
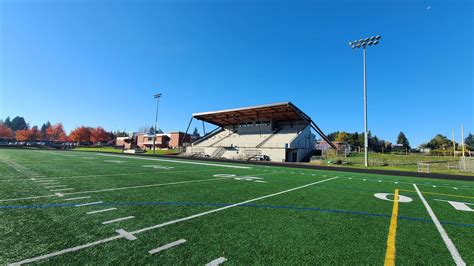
84, 62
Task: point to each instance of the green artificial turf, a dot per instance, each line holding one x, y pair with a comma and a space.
338, 221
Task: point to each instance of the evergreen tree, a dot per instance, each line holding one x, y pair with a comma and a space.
469, 141
403, 140
151, 131
196, 133
18, 123
7, 122
43, 129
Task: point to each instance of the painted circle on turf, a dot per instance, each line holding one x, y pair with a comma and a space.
401, 198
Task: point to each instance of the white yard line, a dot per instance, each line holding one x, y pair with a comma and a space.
167, 246
217, 261
56, 186
45, 180
118, 220
103, 210
177, 161
447, 241
86, 197
105, 240
88, 204
61, 189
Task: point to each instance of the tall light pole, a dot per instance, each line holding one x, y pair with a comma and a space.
374, 40
157, 97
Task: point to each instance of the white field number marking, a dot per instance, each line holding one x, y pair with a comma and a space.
159, 167
401, 198
242, 178
460, 206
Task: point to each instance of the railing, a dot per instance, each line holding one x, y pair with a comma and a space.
218, 153
268, 138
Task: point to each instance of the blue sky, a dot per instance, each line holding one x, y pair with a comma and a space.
84, 62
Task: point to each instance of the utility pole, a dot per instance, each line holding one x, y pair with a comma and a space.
157, 97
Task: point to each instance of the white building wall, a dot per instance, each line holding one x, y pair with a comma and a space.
239, 143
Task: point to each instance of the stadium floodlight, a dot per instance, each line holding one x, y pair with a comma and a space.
157, 97
374, 40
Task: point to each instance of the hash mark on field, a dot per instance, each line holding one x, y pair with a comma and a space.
118, 220
217, 261
86, 197
167, 246
88, 204
103, 210
126, 234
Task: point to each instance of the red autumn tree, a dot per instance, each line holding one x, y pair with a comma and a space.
28, 134
80, 134
98, 134
5, 132
56, 133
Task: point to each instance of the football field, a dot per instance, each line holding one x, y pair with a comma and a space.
91, 208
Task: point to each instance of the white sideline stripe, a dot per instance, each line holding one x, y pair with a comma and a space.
118, 220
103, 210
88, 204
86, 197
56, 186
120, 188
217, 261
105, 240
178, 161
449, 244
167, 246
126, 234
61, 189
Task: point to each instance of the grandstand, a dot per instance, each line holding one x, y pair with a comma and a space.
278, 132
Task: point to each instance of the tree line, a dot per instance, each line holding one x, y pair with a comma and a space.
438, 142
17, 129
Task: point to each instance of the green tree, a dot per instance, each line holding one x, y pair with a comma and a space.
469, 141
342, 137
43, 129
18, 123
403, 140
196, 132
440, 142
8, 122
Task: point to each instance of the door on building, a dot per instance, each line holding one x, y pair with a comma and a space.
294, 156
